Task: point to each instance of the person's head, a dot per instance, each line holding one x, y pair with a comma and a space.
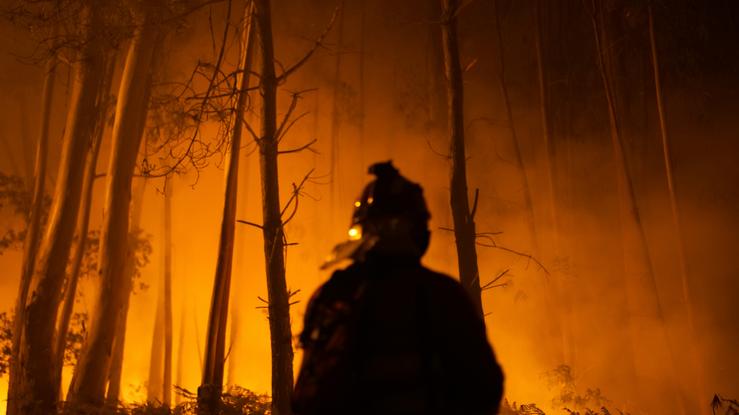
390, 219
391, 211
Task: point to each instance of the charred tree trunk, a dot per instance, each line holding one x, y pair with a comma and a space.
32, 389
695, 359
91, 373
464, 221
113, 393
211, 386
648, 323
33, 229
272, 227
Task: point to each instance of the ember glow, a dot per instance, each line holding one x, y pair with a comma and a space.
606, 278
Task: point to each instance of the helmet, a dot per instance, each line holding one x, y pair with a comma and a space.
390, 218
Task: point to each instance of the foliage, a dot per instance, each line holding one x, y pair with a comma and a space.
6, 341
235, 401
562, 379
507, 408
16, 197
75, 337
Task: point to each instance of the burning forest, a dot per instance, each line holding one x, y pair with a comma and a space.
174, 175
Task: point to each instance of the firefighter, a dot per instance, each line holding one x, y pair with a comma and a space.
387, 335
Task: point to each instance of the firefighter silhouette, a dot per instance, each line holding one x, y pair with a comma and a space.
387, 335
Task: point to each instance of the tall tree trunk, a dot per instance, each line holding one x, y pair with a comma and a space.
645, 308
336, 119
694, 358
34, 225
91, 373
156, 356
32, 389
113, 393
529, 206
272, 227
160, 382
362, 82
211, 386
550, 171
180, 354
83, 222
464, 223
167, 376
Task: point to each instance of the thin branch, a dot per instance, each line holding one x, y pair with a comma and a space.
290, 125
199, 118
474, 203
246, 222
311, 51
433, 150
492, 284
306, 146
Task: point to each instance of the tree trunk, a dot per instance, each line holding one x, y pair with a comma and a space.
211, 386
32, 389
113, 393
34, 225
160, 382
529, 206
272, 227
167, 376
156, 356
181, 354
564, 303
336, 120
695, 359
645, 309
83, 222
464, 223
91, 373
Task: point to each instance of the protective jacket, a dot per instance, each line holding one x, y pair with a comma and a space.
389, 336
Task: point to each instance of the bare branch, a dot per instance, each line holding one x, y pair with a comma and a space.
474, 203
306, 146
245, 222
492, 284
311, 51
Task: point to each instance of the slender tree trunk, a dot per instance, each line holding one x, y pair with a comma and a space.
464, 221
91, 373
160, 382
155, 380
34, 225
209, 392
83, 222
695, 358
167, 376
529, 206
336, 118
362, 83
113, 393
645, 308
181, 354
272, 227
564, 296
33, 390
